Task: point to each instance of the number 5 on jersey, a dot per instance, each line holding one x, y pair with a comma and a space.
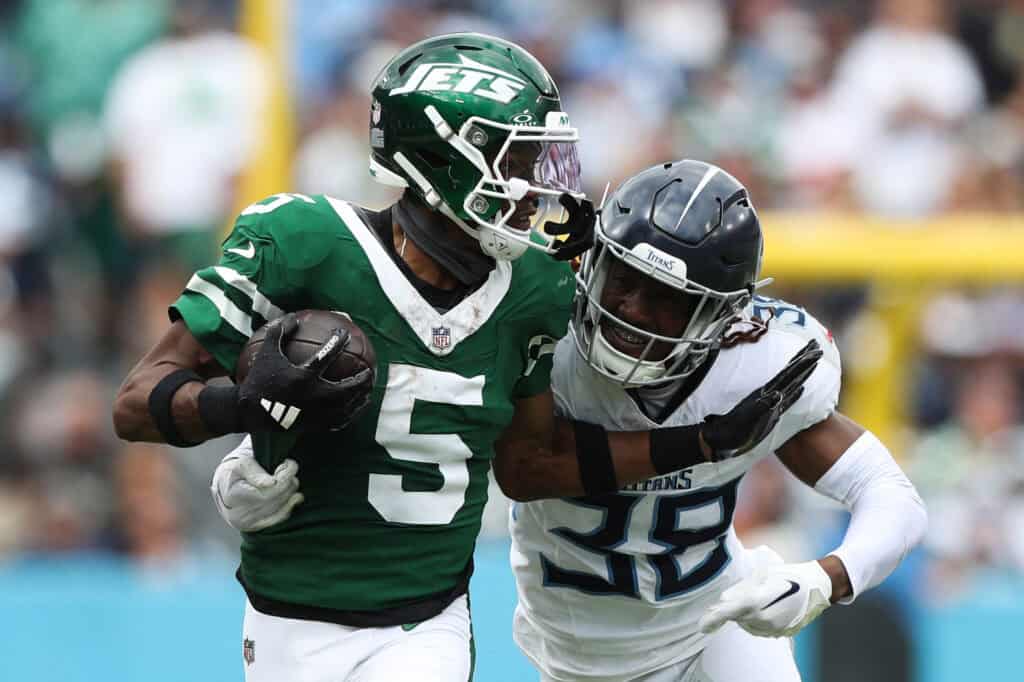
406, 385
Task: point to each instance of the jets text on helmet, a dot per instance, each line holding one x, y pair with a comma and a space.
469, 76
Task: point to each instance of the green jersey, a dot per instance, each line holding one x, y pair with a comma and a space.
393, 503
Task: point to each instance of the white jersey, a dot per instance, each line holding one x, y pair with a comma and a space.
613, 585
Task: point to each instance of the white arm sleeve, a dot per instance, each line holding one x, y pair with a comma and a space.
887, 516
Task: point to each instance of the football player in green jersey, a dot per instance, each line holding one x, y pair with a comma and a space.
458, 291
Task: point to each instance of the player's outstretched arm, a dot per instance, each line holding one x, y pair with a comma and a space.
839, 458
540, 456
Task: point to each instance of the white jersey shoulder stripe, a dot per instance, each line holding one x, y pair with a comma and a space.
260, 303
229, 312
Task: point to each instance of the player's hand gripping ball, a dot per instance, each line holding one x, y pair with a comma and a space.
310, 370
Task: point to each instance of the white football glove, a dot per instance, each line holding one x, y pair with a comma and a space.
249, 498
778, 600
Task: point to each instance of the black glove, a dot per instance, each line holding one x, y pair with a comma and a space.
744, 426
579, 226
278, 395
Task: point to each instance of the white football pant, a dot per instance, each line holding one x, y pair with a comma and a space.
732, 655
286, 649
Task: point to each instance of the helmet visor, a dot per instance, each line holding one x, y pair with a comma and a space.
544, 170
558, 168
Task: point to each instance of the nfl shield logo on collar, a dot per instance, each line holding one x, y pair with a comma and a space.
248, 651
441, 337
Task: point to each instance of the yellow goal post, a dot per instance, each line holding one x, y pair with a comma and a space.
901, 261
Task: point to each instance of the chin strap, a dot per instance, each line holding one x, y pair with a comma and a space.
470, 266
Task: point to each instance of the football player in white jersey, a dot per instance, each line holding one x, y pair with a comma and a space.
651, 583
626, 561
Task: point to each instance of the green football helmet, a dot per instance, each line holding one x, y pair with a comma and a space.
473, 125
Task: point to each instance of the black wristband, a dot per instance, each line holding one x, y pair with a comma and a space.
597, 471
218, 409
676, 447
160, 401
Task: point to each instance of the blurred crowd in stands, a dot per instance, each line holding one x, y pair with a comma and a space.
125, 125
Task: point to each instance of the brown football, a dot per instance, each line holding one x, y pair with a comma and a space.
315, 327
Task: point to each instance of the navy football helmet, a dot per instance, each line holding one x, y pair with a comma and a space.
688, 225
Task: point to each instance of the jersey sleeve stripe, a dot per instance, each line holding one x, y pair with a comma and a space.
260, 303
228, 311
539, 346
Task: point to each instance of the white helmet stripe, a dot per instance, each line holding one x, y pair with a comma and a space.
708, 174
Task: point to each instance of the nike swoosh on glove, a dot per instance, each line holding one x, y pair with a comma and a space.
249, 498
776, 601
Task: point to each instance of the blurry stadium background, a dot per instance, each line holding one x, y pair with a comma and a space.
883, 142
